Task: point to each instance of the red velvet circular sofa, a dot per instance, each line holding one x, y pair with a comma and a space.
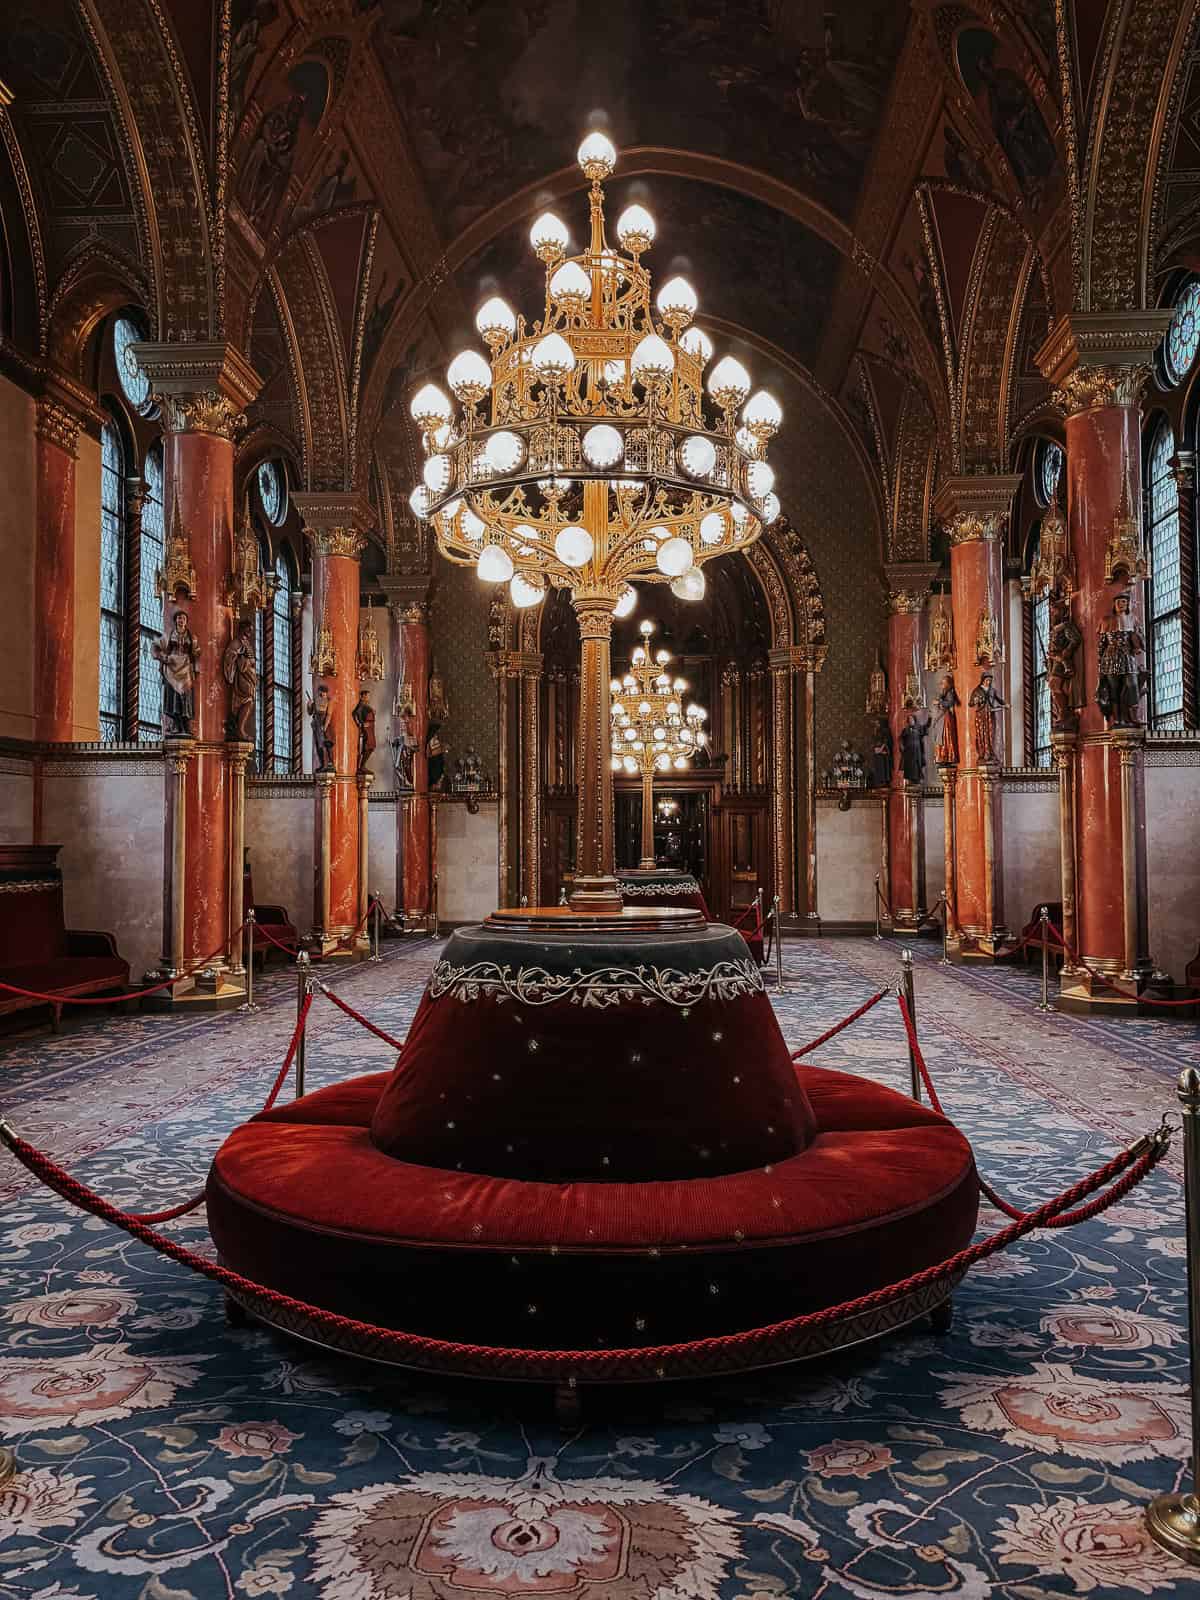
594, 1143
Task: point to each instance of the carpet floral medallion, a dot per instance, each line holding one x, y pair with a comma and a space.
165, 1456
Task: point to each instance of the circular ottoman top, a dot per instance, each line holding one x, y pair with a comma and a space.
594, 1055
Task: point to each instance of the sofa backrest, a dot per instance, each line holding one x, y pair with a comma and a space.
31, 905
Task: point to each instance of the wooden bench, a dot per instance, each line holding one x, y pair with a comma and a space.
282, 931
1032, 931
37, 950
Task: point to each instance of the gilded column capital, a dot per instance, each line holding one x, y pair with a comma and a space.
908, 585
407, 598
1101, 358
335, 523
201, 387
974, 508
595, 616
58, 426
336, 541
410, 613
1183, 470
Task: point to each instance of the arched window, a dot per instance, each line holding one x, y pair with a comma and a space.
283, 684
1165, 608
261, 663
113, 472
1182, 338
1049, 470
150, 606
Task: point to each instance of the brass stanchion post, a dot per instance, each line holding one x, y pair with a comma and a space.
910, 1000
1044, 923
1174, 1519
945, 961
303, 990
878, 935
778, 945
376, 931
248, 935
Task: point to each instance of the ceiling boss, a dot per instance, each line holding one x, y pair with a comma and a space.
585, 456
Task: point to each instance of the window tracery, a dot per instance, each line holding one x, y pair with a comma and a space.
1164, 587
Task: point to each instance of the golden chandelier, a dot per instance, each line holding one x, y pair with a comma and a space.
586, 455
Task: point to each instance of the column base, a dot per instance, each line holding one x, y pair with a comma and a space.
212, 989
1085, 992
979, 948
913, 925
338, 944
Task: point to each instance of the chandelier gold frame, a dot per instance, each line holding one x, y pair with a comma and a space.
597, 461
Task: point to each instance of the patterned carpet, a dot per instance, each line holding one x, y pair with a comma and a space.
163, 1456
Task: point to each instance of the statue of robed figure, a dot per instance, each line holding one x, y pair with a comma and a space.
178, 656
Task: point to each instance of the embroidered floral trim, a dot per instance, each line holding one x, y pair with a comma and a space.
633, 890
605, 986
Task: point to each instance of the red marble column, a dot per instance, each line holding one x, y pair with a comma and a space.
974, 512
201, 389
905, 822
333, 524
1100, 362
54, 584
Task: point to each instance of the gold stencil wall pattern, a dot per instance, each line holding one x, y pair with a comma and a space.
459, 619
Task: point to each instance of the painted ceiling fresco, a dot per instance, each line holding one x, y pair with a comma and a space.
497, 92
749, 263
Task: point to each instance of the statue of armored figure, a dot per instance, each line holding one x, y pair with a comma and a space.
364, 720
320, 716
1122, 681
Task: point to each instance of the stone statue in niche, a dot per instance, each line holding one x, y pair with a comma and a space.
435, 754
178, 656
945, 748
241, 673
320, 714
882, 755
404, 749
1122, 680
912, 746
364, 721
984, 703
1063, 640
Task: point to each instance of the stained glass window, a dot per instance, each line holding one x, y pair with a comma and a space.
272, 491
283, 686
150, 607
130, 375
112, 582
1040, 620
1049, 470
1165, 589
1183, 335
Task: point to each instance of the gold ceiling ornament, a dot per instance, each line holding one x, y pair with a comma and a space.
939, 647
585, 456
877, 690
989, 650
250, 589
176, 578
651, 730
1124, 558
1052, 567
370, 663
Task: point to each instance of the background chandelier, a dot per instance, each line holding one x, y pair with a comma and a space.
651, 730
597, 460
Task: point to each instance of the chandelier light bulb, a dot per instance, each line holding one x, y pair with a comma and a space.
496, 321
680, 762
525, 591
436, 473
739, 514
760, 479
680, 685
698, 345
653, 360
570, 286
663, 762
712, 528
629, 681
494, 565
574, 546
614, 687
473, 527
617, 764
630, 735
770, 509
552, 357
629, 764
748, 443
626, 602
597, 156
469, 376
645, 627
430, 407
662, 657
690, 585
639, 657
677, 301
420, 500
658, 533
698, 455
762, 414
636, 229
603, 446
549, 236
674, 557
503, 452
663, 681
729, 383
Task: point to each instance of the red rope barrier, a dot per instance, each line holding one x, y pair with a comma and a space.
397, 1044
1129, 1168
288, 949
137, 994
1098, 977
838, 1026
746, 910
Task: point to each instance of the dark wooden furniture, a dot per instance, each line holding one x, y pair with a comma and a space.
1032, 931
37, 951
276, 918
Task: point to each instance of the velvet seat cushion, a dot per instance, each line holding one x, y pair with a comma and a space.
307, 1204
65, 973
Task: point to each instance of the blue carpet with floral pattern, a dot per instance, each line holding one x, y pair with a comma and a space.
162, 1455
